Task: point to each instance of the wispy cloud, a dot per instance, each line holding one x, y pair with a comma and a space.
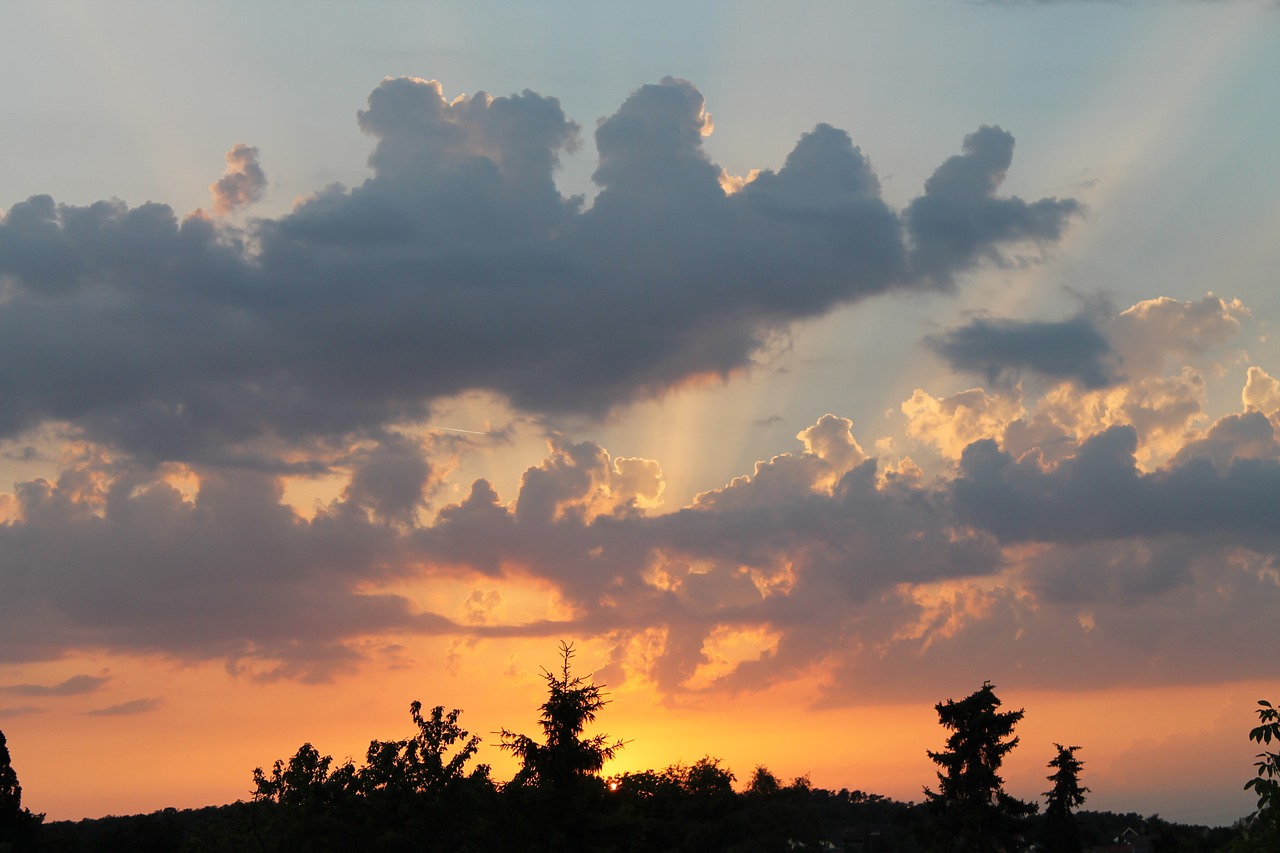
73, 686
125, 709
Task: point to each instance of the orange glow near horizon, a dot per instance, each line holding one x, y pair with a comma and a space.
200, 745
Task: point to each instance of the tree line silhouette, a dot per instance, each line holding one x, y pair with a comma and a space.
424, 793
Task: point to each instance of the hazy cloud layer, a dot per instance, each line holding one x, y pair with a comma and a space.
21, 711
127, 709
73, 686
459, 266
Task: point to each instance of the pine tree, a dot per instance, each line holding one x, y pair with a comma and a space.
1061, 835
16, 823
971, 812
565, 755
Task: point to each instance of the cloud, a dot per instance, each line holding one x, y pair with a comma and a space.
1155, 332
1100, 493
1001, 350
73, 686
128, 564
458, 266
242, 184
1048, 568
1234, 437
1101, 369
390, 481
22, 711
952, 423
127, 709
959, 220
193, 364
1261, 392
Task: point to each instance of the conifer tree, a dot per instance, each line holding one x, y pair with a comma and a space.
16, 823
1061, 833
565, 755
971, 811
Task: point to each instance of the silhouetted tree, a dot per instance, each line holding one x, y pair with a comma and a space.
17, 825
1061, 835
422, 764
763, 783
564, 756
1261, 830
971, 812
305, 780
557, 795
411, 794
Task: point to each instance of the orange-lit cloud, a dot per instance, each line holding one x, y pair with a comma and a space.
252, 498
242, 184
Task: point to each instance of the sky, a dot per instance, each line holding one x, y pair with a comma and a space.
804, 369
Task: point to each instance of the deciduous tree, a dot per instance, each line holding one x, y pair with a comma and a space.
1261, 830
429, 762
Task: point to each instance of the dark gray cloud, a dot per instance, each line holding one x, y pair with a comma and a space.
73, 686
390, 481
1002, 350
459, 266
960, 220
1100, 493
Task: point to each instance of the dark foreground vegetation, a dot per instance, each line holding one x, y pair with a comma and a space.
423, 793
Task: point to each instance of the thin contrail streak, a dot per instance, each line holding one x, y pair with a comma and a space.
456, 429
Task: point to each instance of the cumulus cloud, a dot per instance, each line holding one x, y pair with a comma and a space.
1101, 369
1261, 392
126, 563
459, 266
390, 481
960, 220
195, 364
1100, 494
951, 424
1155, 332
242, 184
820, 556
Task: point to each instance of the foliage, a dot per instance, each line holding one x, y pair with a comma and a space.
398, 800
1261, 830
304, 781
1061, 835
415, 794
17, 825
1267, 783
971, 811
421, 764
564, 756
